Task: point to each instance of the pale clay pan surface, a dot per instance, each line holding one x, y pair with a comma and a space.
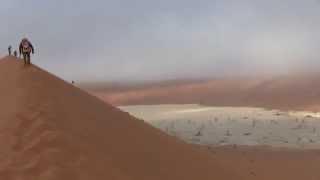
233, 126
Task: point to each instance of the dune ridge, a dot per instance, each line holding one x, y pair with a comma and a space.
51, 130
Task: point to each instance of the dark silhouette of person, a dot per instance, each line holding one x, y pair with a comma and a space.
9, 50
15, 53
26, 48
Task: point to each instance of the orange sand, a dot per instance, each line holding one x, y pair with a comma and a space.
51, 130
290, 92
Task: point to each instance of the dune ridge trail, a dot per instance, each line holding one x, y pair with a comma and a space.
51, 130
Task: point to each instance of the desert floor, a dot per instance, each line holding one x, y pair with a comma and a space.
220, 126
255, 143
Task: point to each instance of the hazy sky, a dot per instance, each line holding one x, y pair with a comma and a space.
164, 39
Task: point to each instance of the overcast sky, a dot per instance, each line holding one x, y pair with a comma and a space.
164, 39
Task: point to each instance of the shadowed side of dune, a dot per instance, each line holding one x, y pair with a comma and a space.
50, 129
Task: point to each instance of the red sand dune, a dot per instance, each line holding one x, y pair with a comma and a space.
291, 92
263, 163
51, 130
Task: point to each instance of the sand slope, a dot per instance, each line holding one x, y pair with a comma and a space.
221, 131
291, 92
261, 163
51, 130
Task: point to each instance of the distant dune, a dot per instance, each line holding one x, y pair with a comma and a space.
290, 92
51, 130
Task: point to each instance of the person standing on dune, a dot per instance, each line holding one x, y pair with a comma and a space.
26, 48
9, 50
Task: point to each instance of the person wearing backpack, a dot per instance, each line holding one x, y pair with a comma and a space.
26, 48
